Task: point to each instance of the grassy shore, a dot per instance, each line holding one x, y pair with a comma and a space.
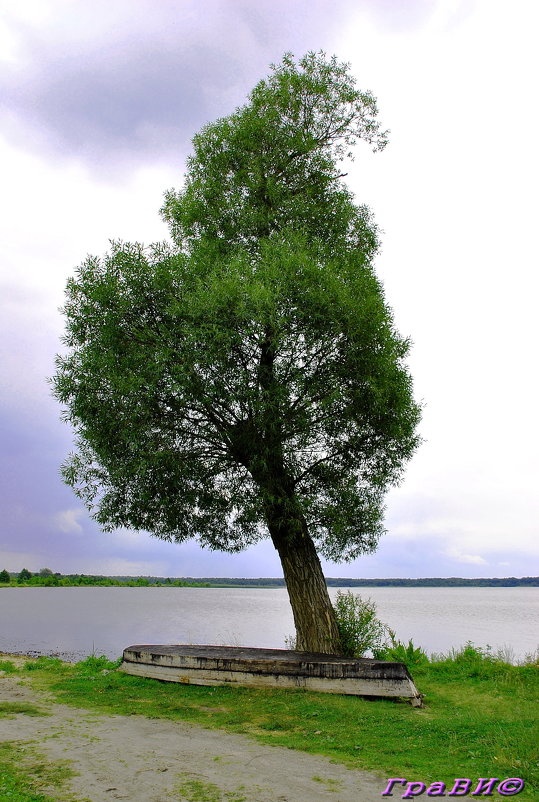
479, 718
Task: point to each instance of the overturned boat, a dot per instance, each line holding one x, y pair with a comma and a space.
270, 668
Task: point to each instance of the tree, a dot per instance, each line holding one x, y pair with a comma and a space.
4, 576
24, 575
45, 572
248, 380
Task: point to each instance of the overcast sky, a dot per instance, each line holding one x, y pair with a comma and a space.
99, 101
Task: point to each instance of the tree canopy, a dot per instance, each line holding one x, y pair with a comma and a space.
247, 379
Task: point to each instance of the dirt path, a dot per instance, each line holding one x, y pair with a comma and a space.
151, 760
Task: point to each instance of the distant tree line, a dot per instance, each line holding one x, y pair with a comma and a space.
439, 582
45, 577
345, 582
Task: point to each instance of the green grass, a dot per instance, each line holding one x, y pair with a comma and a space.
53, 664
479, 718
197, 791
9, 709
331, 785
25, 775
8, 667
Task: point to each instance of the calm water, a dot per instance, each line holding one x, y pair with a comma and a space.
76, 622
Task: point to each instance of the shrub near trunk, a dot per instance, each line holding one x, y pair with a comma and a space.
359, 628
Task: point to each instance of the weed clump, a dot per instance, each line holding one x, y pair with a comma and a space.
95, 665
398, 652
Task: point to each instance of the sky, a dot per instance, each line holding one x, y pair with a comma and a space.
98, 105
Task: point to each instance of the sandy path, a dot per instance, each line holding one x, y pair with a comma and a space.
147, 760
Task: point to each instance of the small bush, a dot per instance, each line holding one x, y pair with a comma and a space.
359, 628
398, 652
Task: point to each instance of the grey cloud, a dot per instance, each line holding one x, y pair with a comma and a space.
119, 83
144, 83
42, 522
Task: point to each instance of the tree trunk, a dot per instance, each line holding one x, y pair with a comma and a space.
314, 616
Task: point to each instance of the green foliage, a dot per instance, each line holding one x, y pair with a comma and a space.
254, 366
95, 665
272, 165
398, 652
76, 580
359, 628
44, 580
4, 576
24, 575
45, 663
478, 662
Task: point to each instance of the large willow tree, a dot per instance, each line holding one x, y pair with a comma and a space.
247, 380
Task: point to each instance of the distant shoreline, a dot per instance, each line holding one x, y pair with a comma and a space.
332, 582
84, 580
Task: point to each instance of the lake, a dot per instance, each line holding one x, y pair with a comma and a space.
76, 622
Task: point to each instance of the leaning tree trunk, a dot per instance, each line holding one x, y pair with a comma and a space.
314, 615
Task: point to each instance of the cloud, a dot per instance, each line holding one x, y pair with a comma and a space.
481, 511
114, 83
120, 567
67, 521
458, 556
